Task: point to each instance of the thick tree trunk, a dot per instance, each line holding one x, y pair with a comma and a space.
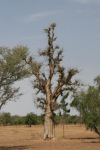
49, 125
49, 118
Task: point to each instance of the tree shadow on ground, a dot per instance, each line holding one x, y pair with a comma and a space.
15, 147
92, 142
83, 138
88, 138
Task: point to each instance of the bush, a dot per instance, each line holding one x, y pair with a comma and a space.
5, 119
40, 119
74, 122
57, 119
17, 120
71, 120
91, 120
31, 119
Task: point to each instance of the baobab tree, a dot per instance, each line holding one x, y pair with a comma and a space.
43, 84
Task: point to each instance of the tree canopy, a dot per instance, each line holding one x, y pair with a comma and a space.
13, 68
88, 104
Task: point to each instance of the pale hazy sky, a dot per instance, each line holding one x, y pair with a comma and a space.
77, 31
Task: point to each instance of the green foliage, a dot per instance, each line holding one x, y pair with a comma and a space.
92, 120
14, 121
17, 121
60, 113
71, 120
5, 119
40, 119
78, 119
12, 68
23, 120
87, 103
63, 105
97, 81
57, 119
31, 119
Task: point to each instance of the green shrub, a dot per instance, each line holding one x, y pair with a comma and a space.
57, 119
31, 119
74, 122
40, 119
17, 120
5, 119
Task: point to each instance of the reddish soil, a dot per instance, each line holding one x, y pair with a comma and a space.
31, 138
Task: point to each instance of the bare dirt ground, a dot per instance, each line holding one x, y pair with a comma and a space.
31, 138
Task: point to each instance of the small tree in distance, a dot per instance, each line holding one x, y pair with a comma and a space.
43, 84
65, 110
30, 119
5, 118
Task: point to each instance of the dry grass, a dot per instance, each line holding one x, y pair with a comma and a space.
31, 138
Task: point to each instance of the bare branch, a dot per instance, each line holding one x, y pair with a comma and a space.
55, 105
42, 103
9, 94
41, 100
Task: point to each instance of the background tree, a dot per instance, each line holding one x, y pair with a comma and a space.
65, 110
97, 81
87, 104
57, 119
5, 119
17, 120
44, 85
12, 68
31, 119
